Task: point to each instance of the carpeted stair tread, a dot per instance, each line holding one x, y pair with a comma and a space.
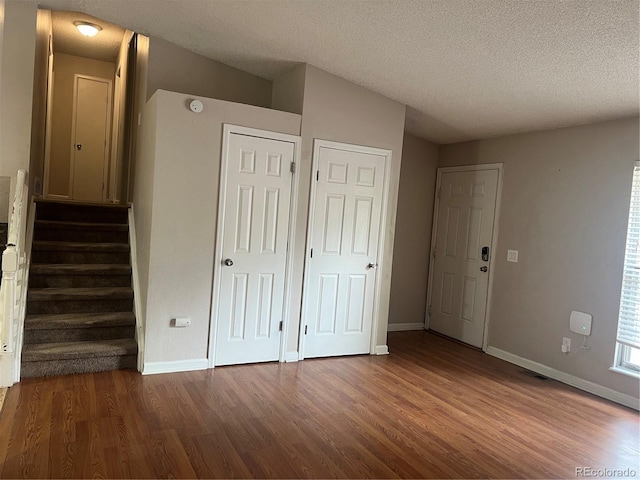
62, 294
80, 269
51, 245
71, 366
79, 299
81, 225
78, 350
76, 212
79, 320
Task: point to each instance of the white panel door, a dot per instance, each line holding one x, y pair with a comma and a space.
343, 252
254, 249
465, 221
91, 119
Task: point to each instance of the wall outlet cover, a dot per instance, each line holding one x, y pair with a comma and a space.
182, 322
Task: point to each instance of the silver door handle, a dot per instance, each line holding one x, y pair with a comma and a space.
483, 269
372, 265
228, 262
79, 146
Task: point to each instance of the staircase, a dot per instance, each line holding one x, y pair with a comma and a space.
79, 301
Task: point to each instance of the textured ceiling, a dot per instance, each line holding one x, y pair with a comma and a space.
466, 69
67, 39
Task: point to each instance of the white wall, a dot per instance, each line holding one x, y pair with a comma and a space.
412, 249
565, 203
182, 204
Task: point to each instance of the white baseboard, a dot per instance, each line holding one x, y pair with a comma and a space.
587, 386
151, 368
404, 327
291, 357
382, 350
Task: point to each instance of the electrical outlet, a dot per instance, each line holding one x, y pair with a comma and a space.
182, 322
566, 345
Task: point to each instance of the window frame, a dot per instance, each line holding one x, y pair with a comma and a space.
623, 351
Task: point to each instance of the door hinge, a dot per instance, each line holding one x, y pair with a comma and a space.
305, 329
317, 175
280, 326
312, 253
429, 310
292, 167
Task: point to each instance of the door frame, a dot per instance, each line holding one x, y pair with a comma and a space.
72, 159
229, 129
494, 239
317, 145
49, 124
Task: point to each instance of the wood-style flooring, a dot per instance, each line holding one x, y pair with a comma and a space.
433, 408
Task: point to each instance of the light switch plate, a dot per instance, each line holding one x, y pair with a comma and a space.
512, 256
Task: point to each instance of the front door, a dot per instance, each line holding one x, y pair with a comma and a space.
346, 214
464, 226
91, 123
255, 202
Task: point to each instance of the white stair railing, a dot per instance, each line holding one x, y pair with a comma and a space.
13, 287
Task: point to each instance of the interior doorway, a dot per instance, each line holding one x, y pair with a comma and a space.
87, 106
256, 223
345, 244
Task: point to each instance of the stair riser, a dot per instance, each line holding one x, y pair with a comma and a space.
49, 256
80, 365
42, 307
77, 334
79, 214
86, 236
79, 281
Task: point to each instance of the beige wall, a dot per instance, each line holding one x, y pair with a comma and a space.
288, 91
65, 67
176, 211
564, 207
18, 53
39, 108
143, 206
335, 109
138, 98
117, 130
179, 70
412, 247
16, 91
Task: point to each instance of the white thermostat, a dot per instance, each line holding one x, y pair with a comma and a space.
196, 106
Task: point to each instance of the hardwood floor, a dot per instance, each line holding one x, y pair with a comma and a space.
433, 408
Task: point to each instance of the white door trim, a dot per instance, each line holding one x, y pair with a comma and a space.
72, 159
217, 259
494, 240
49, 123
317, 145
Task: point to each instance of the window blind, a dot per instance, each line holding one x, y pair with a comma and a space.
629, 318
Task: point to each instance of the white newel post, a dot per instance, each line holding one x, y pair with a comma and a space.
11, 288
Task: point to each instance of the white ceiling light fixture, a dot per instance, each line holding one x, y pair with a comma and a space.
88, 29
